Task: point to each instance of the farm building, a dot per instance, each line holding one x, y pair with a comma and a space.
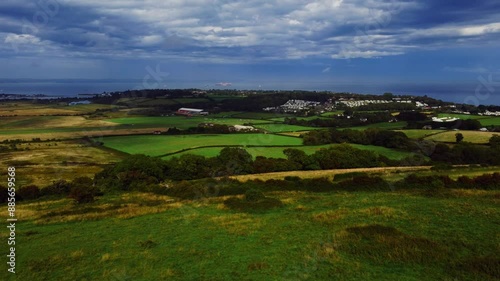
79, 102
190, 111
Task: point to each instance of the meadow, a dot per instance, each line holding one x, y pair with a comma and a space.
469, 136
279, 128
27, 108
41, 163
277, 152
400, 235
154, 145
483, 119
180, 122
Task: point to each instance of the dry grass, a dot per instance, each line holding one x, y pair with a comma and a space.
78, 134
64, 210
469, 136
326, 173
238, 224
331, 216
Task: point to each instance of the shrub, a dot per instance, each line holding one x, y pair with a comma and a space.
28, 192
3, 194
82, 190
365, 182
253, 195
60, 187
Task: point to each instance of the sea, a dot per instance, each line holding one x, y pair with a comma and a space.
466, 93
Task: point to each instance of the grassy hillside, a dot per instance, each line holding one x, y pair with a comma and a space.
314, 236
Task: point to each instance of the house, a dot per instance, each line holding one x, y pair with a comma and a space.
79, 102
190, 111
483, 130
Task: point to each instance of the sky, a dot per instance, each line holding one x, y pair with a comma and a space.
253, 41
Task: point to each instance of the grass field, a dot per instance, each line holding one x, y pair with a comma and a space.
24, 108
44, 122
45, 162
485, 120
260, 115
180, 122
469, 136
277, 152
420, 133
278, 128
159, 145
314, 236
384, 125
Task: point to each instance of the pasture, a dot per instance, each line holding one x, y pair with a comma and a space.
41, 163
277, 152
278, 128
469, 136
180, 122
314, 236
483, 119
156, 145
27, 108
384, 125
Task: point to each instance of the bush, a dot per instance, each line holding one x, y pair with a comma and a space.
82, 190
365, 182
28, 192
60, 187
3, 194
253, 195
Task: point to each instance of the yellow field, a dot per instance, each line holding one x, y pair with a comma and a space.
469, 136
49, 161
79, 134
24, 108
327, 173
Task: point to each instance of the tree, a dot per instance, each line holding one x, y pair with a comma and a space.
82, 190
459, 137
495, 141
235, 161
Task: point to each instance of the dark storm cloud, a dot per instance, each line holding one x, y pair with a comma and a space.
226, 31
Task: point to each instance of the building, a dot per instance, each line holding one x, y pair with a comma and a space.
190, 111
79, 102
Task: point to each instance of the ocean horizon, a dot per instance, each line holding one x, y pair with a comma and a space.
468, 93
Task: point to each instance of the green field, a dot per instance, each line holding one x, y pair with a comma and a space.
277, 152
159, 145
384, 125
260, 115
484, 120
278, 128
420, 133
314, 236
469, 136
180, 122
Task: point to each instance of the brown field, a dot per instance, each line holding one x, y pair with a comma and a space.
49, 161
469, 136
328, 173
79, 134
24, 108
45, 122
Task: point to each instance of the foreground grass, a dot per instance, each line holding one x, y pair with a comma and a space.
325, 236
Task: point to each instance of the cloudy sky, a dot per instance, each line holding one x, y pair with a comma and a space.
352, 41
